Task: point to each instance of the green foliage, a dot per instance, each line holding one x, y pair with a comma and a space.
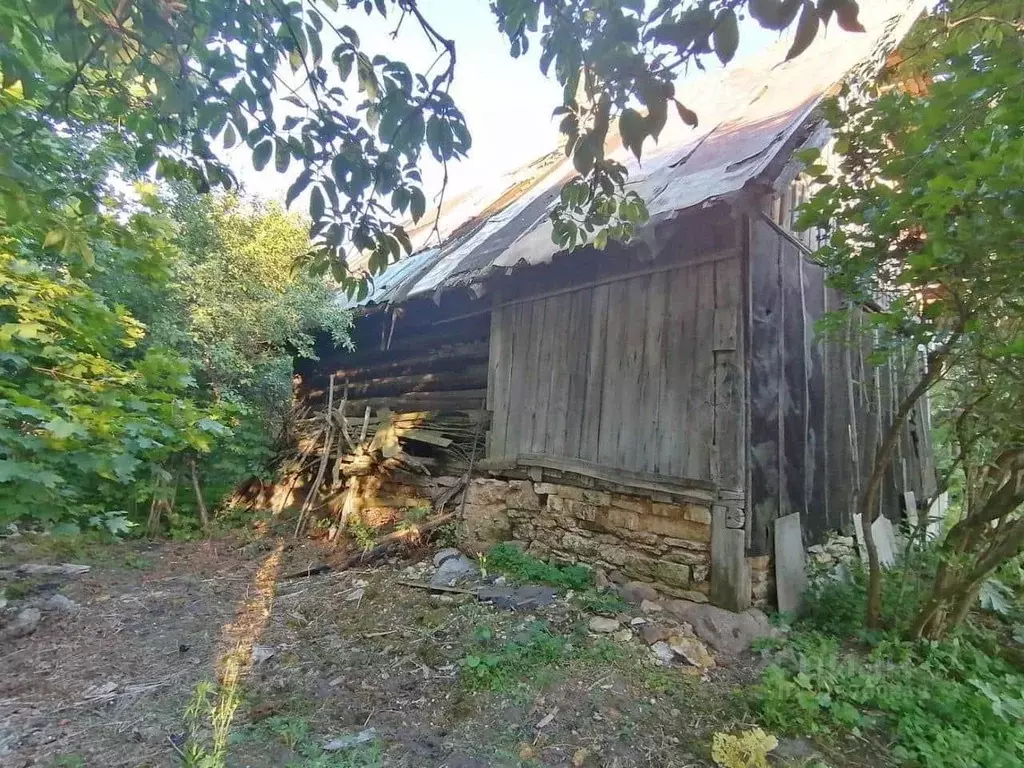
525, 568
81, 421
499, 667
923, 214
950, 703
607, 602
293, 84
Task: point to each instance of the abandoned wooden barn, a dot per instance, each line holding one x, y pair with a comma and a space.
651, 408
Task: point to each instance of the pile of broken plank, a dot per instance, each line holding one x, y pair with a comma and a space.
337, 450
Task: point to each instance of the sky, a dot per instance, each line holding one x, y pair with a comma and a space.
507, 102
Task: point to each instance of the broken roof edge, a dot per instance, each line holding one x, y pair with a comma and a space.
762, 116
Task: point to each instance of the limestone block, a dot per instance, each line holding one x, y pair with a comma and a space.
673, 574
483, 526
484, 490
583, 510
521, 496
630, 504
696, 546
563, 491
612, 554
600, 498
686, 557
577, 545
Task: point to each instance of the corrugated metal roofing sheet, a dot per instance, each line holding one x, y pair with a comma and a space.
747, 114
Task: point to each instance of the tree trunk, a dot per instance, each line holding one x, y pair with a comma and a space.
866, 506
204, 517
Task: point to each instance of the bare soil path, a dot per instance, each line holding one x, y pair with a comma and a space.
189, 652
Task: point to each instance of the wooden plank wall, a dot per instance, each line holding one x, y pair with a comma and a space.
643, 373
816, 407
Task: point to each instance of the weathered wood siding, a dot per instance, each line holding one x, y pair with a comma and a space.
641, 372
417, 357
817, 408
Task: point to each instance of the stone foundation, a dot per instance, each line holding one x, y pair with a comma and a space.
660, 540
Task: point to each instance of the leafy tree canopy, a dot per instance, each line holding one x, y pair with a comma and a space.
177, 80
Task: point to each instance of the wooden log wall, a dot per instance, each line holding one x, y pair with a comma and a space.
817, 408
642, 372
414, 358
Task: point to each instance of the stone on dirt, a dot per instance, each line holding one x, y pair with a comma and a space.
24, 623
692, 651
725, 631
59, 603
45, 569
262, 653
655, 633
352, 740
452, 570
651, 606
637, 591
662, 653
528, 598
445, 554
603, 625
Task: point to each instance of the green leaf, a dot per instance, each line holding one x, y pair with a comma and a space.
806, 31
417, 204
726, 35
686, 114
261, 154
848, 16
316, 204
633, 130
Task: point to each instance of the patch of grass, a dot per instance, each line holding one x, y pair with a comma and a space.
18, 589
69, 761
526, 657
522, 567
607, 603
943, 704
364, 535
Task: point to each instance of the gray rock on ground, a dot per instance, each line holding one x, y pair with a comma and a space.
452, 568
725, 631
603, 625
527, 598
636, 592
24, 623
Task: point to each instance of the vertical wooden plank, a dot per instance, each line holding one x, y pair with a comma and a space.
593, 389
838, 460
682, 355
701, 400
793, 393
500, 356
538, 379
765, 367
520, 378
632, 374
672, 393
816, 523
730, 570
655, 364
730, 416
612, 388
577, 359
560, 333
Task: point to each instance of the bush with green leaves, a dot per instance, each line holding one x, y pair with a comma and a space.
954, 703
82, 421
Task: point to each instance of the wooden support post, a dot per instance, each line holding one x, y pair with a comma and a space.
730, 571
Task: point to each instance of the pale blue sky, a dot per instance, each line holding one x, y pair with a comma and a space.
507, 102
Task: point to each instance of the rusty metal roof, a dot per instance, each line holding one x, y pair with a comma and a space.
748, 114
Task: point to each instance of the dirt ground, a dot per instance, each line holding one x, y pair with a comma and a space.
181, 651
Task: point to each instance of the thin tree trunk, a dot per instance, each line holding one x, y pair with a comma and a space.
883, 456
204, 517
